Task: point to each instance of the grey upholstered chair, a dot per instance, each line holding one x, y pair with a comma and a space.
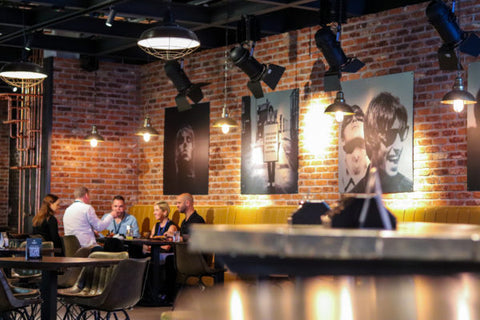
110, 293
17, 303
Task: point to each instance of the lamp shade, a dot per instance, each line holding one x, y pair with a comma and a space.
458, 96
22, 73
147, 130
225, 122
94, 137
339, 108
168, 42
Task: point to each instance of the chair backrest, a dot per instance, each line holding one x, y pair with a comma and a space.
70, 245
190, 263
125, 287
93, 280
8, 301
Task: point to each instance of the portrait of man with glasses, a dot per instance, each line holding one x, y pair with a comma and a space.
386, 130
352, 142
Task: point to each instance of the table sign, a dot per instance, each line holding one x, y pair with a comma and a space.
33, 248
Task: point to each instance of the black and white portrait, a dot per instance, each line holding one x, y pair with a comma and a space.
379, 134
473, 129
186, 150
270, 143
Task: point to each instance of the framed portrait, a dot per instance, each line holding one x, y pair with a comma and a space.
379, 134
186, 150
270, 143
473, 129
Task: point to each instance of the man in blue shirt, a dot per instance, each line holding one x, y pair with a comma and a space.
118, 226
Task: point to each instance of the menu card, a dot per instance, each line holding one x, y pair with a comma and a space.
33, 249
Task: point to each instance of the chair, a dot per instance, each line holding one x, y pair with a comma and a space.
28, 277
193, 265
70, 245
17, 303
116, 293
72, 248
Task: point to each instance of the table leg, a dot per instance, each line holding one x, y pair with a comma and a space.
48, 292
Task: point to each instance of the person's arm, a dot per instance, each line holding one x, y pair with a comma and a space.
53, 231
152, 233
96, 223
110, 226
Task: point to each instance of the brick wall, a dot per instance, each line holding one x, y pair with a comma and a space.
395, 41
112, 167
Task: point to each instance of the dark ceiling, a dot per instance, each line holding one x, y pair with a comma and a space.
77, 27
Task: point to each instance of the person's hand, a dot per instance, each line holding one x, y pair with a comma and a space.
114, 214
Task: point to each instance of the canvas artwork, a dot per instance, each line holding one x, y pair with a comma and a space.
379, 134
270, 143
473, 129
186, 150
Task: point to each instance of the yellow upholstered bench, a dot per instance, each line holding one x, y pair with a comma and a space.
444, 214
218, 215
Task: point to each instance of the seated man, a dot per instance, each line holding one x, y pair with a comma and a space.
185, 205
118, 226
81, 220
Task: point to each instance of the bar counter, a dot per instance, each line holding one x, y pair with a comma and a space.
415, 247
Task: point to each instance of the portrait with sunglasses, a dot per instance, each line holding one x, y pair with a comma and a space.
386, 132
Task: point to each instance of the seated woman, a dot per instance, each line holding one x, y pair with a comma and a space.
45, 223
161, 211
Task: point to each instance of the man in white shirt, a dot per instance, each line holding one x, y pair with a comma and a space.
81, 220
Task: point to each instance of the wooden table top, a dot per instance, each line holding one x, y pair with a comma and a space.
52, 263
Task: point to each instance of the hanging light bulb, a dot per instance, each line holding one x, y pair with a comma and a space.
94, 137
458, 96
225, 122
339, 108
147, 131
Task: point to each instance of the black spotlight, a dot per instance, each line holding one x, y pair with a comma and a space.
327, 42
184, 87
256, 71
445, 22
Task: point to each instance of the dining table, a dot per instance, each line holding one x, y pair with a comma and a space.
51, 266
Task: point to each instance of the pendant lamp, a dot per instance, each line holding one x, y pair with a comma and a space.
339, 108
169, 41
458, 96
147, 131
94, 137
23, 74
225, 122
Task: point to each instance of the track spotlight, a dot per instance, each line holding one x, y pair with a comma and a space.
111, 17
328, 43
445, 22
185, 88
270, 74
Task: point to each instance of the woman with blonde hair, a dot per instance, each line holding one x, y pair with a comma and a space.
45, 223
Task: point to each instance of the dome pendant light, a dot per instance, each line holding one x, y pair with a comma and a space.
147, 131
170, 41
22, 74
225, 122
94, 137
339, 108
458, 96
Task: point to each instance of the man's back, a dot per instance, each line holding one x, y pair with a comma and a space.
80, 220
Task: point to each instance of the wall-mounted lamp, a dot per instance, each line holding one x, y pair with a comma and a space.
169, 41
111, 17
184, 86
147, 131
329, 44
94, 137
445, 22
339, 108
